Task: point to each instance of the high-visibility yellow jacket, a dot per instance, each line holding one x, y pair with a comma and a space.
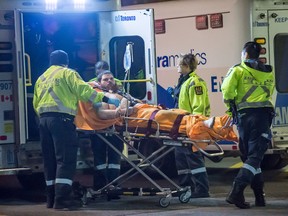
193, 96
59, 89
250, 84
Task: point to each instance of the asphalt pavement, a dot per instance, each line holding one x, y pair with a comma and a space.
14, 200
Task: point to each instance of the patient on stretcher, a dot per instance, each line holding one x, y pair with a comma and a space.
145, 118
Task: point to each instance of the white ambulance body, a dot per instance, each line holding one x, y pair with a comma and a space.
88, 32
97, 30
215, 31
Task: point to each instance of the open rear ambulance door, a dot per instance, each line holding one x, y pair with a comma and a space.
13, 110
134, 30
8, 90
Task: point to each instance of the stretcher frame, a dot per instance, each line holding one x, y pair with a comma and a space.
169, 145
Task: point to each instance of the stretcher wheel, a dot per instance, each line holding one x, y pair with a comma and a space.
184, 197
164, 202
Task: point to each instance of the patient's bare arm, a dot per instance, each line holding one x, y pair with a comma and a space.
106, 111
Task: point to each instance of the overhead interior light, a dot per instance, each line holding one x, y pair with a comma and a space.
79, 4
51, 5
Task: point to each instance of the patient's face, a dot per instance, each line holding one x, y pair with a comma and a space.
107, 82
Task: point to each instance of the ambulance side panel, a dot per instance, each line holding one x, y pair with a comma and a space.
217, 49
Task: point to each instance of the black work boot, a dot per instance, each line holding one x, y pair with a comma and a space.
236, 195
259, 197
112, 174
201, 186
50, 194
99, 179
113, 191
64, 199
257, 186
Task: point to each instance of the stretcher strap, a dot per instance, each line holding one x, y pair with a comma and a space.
149, 126
175, 128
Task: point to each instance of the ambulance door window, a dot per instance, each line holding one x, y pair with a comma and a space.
281, 63
117, 47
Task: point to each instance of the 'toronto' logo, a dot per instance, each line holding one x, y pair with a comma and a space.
121, 18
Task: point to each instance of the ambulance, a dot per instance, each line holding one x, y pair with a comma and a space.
215, 32
88, 31
155, 35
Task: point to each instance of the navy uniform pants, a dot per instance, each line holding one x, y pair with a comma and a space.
191, 169
106, 160
59, 148
255, 136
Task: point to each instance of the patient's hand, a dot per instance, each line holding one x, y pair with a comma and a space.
124, 103
130, 111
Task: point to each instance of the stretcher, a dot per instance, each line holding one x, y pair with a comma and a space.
172, 127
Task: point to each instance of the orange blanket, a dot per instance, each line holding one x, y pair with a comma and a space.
87, 119
190, 125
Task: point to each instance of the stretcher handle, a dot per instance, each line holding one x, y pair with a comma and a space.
220, 153
138, 80
28, 76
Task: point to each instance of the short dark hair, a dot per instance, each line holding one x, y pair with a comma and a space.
253, 49
59, 57
100, 75
100, 66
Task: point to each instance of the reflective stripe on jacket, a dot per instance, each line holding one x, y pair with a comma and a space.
193, 96
249, 87
59, 89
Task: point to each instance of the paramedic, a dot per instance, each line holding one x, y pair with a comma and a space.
56, 95
101, 66
191, 94
106, 160
247, 90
